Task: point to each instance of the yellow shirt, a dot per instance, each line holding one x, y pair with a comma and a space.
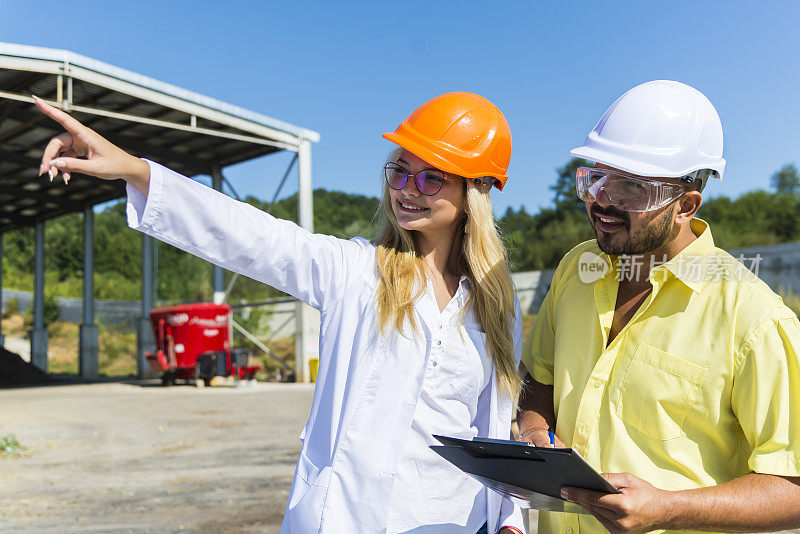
700, 387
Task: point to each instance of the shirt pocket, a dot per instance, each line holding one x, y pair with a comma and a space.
310, 472
657, 391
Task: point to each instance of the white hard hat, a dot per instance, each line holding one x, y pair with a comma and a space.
659, 128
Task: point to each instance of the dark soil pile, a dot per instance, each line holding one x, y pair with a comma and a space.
14, 371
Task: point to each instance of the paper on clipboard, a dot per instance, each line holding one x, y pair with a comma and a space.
529, 476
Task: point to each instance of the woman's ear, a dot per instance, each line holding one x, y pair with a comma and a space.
688, 205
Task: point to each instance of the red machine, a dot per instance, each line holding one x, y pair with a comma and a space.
193, 343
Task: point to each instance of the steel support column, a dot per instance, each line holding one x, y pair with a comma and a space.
39, 334
88, 345
219, 272
144, 331
306, 342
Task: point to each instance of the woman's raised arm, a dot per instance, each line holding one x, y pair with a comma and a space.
317, 269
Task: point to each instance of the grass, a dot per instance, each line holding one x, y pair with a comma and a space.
791, 299
117, 352
14, 325
117, 355
10, 446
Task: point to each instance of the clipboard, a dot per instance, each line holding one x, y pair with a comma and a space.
529, 476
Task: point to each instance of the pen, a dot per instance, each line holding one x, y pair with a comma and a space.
552, 438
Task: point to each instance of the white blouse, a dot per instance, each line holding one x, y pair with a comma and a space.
372, 411
431, 495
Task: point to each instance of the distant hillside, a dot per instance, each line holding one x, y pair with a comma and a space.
335, 213
181, 277
534, 241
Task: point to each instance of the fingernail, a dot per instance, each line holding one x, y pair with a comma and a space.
564, 494
41, 169
66, 178
35, 97
51, 173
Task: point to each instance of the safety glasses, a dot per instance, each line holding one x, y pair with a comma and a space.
428, 181
625, 191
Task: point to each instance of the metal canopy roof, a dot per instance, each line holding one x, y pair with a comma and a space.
185, 131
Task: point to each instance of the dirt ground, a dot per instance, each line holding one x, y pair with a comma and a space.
138, 457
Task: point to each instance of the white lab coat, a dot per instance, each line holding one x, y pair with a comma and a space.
367, 385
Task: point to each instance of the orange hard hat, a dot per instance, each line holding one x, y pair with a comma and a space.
459, 133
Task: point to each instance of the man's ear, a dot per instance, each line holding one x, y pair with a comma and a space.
688, 205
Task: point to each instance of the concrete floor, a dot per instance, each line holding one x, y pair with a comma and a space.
137, 457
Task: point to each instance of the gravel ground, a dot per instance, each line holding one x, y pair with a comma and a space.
138, 457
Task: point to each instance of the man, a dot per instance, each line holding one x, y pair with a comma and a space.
662, 360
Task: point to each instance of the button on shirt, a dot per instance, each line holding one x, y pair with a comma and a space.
700, 387
431, 495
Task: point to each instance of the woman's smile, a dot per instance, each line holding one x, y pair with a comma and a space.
409, 207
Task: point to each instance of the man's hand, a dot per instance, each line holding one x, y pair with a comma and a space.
639, 507
540, 437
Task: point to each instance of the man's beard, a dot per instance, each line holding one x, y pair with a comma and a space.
650, 237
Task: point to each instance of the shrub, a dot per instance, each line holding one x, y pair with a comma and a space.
11, 308
51, 312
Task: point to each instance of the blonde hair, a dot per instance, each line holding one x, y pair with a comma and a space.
477, 253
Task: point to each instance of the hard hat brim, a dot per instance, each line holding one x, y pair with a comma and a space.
639, 168
437, 161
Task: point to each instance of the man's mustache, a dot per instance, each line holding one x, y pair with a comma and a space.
610, 211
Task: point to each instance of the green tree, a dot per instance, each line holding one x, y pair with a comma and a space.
540, 241
787, 180
64, 246
534, 240
335, 213
565, 197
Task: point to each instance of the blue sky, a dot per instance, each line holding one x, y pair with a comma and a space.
352, 70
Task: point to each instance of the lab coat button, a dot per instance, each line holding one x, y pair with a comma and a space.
435, 364
438, 342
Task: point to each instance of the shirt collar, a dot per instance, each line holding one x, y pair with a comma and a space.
678, 266
681, 266
463, 291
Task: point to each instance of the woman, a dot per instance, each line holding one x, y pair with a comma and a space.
420, 332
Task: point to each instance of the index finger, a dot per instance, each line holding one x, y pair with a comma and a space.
66, 120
